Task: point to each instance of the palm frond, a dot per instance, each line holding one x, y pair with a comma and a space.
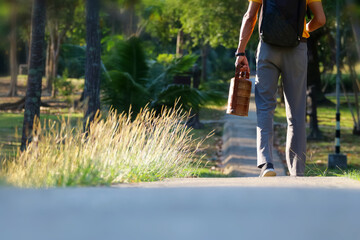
181, 65
189, 98
126, 77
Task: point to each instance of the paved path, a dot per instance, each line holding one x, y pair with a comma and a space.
199, 209
239, 145
253, 182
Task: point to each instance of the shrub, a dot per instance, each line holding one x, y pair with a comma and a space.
116, 150
72, 58
64, 85
130, 80
328, 82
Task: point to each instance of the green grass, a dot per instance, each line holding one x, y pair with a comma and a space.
212, 133
318, 151
212, 112
353, 174
209, 148
22, 81
116, 150
204, 159
11, 128
326, 114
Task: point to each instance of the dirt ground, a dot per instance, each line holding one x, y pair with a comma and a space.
5, 86
58, 102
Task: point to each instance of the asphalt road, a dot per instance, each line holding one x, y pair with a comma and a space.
207, 211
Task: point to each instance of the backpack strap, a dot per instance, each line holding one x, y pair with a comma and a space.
302, 11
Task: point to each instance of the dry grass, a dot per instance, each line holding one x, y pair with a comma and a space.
117, 149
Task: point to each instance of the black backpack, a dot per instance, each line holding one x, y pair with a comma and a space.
281, 22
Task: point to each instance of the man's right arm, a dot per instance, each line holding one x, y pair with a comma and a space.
248, 24
319, 18
247, 27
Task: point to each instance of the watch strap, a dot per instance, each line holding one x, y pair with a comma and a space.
238, 54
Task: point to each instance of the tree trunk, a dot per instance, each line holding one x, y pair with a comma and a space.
49, 68
194, 120
47, 62
313, 73
13, 52
53, 60
54, 65
311, 111
92, 68
355, 25
204, 56
356, 31
179, 43
53, 52
356, 89
36, 69
130, 29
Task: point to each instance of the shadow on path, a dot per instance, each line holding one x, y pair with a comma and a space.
239, 145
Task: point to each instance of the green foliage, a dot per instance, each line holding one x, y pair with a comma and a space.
63, 85
190, 98
126, 76
21, 9
180, 66
61, 15
109, 42
77, 33
165, 92
214, 22
162, 18
162, 73
329, 82
327, 37
130, 80
165, 58
72, 59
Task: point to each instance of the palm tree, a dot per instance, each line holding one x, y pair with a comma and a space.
93, 61
13, 49
353, 11
36, 70
131, 81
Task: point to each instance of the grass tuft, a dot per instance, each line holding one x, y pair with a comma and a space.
353, 174
116, 150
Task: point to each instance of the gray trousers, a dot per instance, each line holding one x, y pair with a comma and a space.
291, 63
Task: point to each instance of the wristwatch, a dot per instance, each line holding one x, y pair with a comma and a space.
238, 54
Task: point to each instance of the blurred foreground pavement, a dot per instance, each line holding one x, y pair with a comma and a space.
230, 208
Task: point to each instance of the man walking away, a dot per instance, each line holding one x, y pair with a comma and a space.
282, 50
